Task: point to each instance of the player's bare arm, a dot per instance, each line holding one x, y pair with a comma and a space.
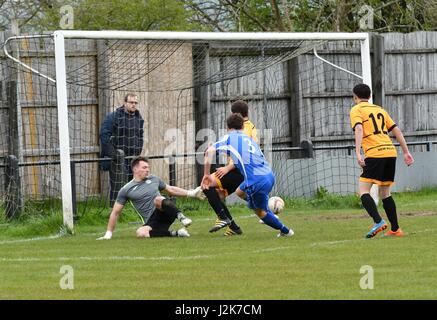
358, 142
209, 157
179, 192
222, 171
115, 213
408, 158
175, 191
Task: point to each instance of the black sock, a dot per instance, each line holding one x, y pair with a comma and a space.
169, 207
220, 209
370, 206
390, 209
216, 204
233, 225
159, 233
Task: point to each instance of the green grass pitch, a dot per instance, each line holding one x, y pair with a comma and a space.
322, 261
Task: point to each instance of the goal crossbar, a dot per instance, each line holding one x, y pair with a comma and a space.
61, 81
217, 36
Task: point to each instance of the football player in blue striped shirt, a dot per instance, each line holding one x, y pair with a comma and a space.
250, 161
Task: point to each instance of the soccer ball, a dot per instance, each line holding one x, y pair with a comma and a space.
276, 205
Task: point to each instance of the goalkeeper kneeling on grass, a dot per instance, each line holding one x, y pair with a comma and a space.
157, 212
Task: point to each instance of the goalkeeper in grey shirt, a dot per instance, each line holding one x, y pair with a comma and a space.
156, 211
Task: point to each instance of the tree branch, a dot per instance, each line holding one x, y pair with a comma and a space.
206, 16
248, 15
32, 15
277, 15
287, 16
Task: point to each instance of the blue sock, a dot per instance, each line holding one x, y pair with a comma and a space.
274, 222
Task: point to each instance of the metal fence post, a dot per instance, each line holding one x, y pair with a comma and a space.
308, 149
13, 188
172, 173
73, 189
117, 175
172, 170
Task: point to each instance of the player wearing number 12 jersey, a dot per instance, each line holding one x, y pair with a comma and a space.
250, 161
371, 125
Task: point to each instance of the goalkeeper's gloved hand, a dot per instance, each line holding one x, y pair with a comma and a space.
107, 236
196, 193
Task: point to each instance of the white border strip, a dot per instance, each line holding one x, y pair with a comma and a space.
109, 258
30, 239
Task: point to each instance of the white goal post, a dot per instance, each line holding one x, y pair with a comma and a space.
61, 79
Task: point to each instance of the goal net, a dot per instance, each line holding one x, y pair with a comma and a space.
298, 88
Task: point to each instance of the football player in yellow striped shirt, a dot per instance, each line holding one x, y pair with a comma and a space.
227, 179
371, 125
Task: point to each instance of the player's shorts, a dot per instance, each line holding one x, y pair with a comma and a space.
160, 220
380, 171
257, 195
229, 182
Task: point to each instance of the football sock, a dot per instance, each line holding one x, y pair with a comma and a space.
234, 226
160, 233
169, 207
274, 222
390, 209
217, 205
180, 216
370, 206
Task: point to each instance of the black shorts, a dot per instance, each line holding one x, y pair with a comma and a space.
380, 171
230, 181
160, 220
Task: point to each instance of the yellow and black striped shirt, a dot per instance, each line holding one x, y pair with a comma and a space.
376, 123
250, 130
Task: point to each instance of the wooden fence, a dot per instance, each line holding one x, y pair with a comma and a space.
299, 99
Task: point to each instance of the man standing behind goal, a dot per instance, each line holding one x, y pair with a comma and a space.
371, 125
122, 129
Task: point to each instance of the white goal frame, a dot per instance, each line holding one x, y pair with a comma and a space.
61, 81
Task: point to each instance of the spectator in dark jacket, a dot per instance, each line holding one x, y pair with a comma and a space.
122, 129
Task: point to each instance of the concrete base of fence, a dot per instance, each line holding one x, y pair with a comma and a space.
339, 174
421, 174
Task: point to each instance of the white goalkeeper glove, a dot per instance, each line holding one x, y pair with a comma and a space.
107, 236
196, 193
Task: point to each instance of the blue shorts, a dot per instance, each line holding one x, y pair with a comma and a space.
258, 193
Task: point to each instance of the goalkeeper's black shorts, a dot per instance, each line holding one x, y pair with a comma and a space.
160, 220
